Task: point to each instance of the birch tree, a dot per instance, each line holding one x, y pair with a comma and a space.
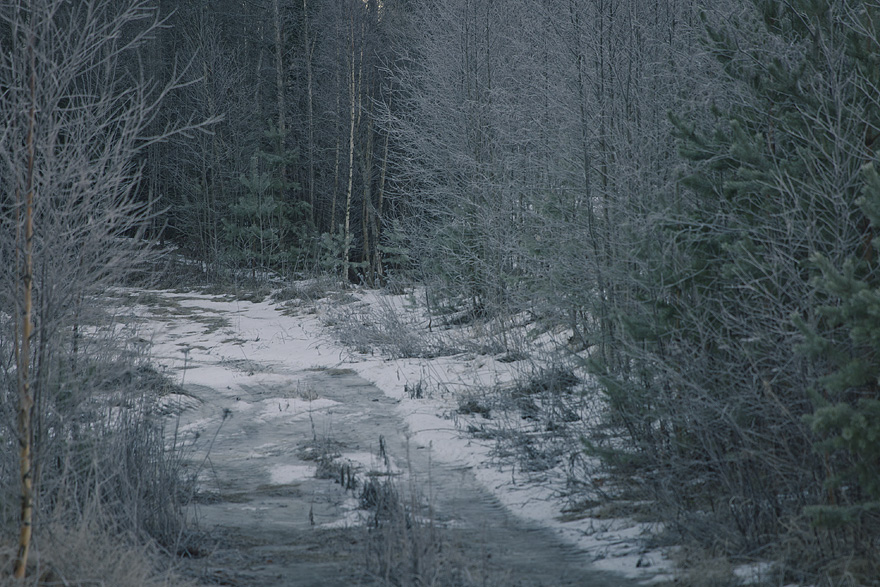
74, 115
351, 58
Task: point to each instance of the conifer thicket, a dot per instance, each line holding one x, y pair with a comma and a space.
752, 371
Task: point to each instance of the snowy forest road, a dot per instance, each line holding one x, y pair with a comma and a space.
290, 445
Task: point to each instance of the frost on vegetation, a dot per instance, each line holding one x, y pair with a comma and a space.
401, 327
536, 421
518, 386
306, 291
381, 329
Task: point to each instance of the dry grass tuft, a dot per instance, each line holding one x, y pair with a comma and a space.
407, 547
86, 556
698, 568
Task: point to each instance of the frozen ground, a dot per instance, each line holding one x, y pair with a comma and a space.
269, 388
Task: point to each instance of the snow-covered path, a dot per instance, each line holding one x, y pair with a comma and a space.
281, 418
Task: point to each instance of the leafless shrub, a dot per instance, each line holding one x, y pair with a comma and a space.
308, 290
556, 379
383, 330
825, 557
76, 117
104, 460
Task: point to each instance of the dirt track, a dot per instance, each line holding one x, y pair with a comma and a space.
279, 438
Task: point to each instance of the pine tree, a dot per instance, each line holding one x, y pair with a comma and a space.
847, 416
267, 228
714, 385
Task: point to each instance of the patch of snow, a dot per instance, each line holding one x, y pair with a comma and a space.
370, 463
196, 426
291, 408
175, 403
353, 516
755, 573
614, 545
287, 474
261, 335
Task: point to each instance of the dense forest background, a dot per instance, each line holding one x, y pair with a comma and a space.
689, 187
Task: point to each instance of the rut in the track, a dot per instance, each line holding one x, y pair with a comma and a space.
274, 523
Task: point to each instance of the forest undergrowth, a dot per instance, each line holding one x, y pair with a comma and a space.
549, 416
405, 543
111, 490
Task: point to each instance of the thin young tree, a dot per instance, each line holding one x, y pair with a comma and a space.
74, 115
